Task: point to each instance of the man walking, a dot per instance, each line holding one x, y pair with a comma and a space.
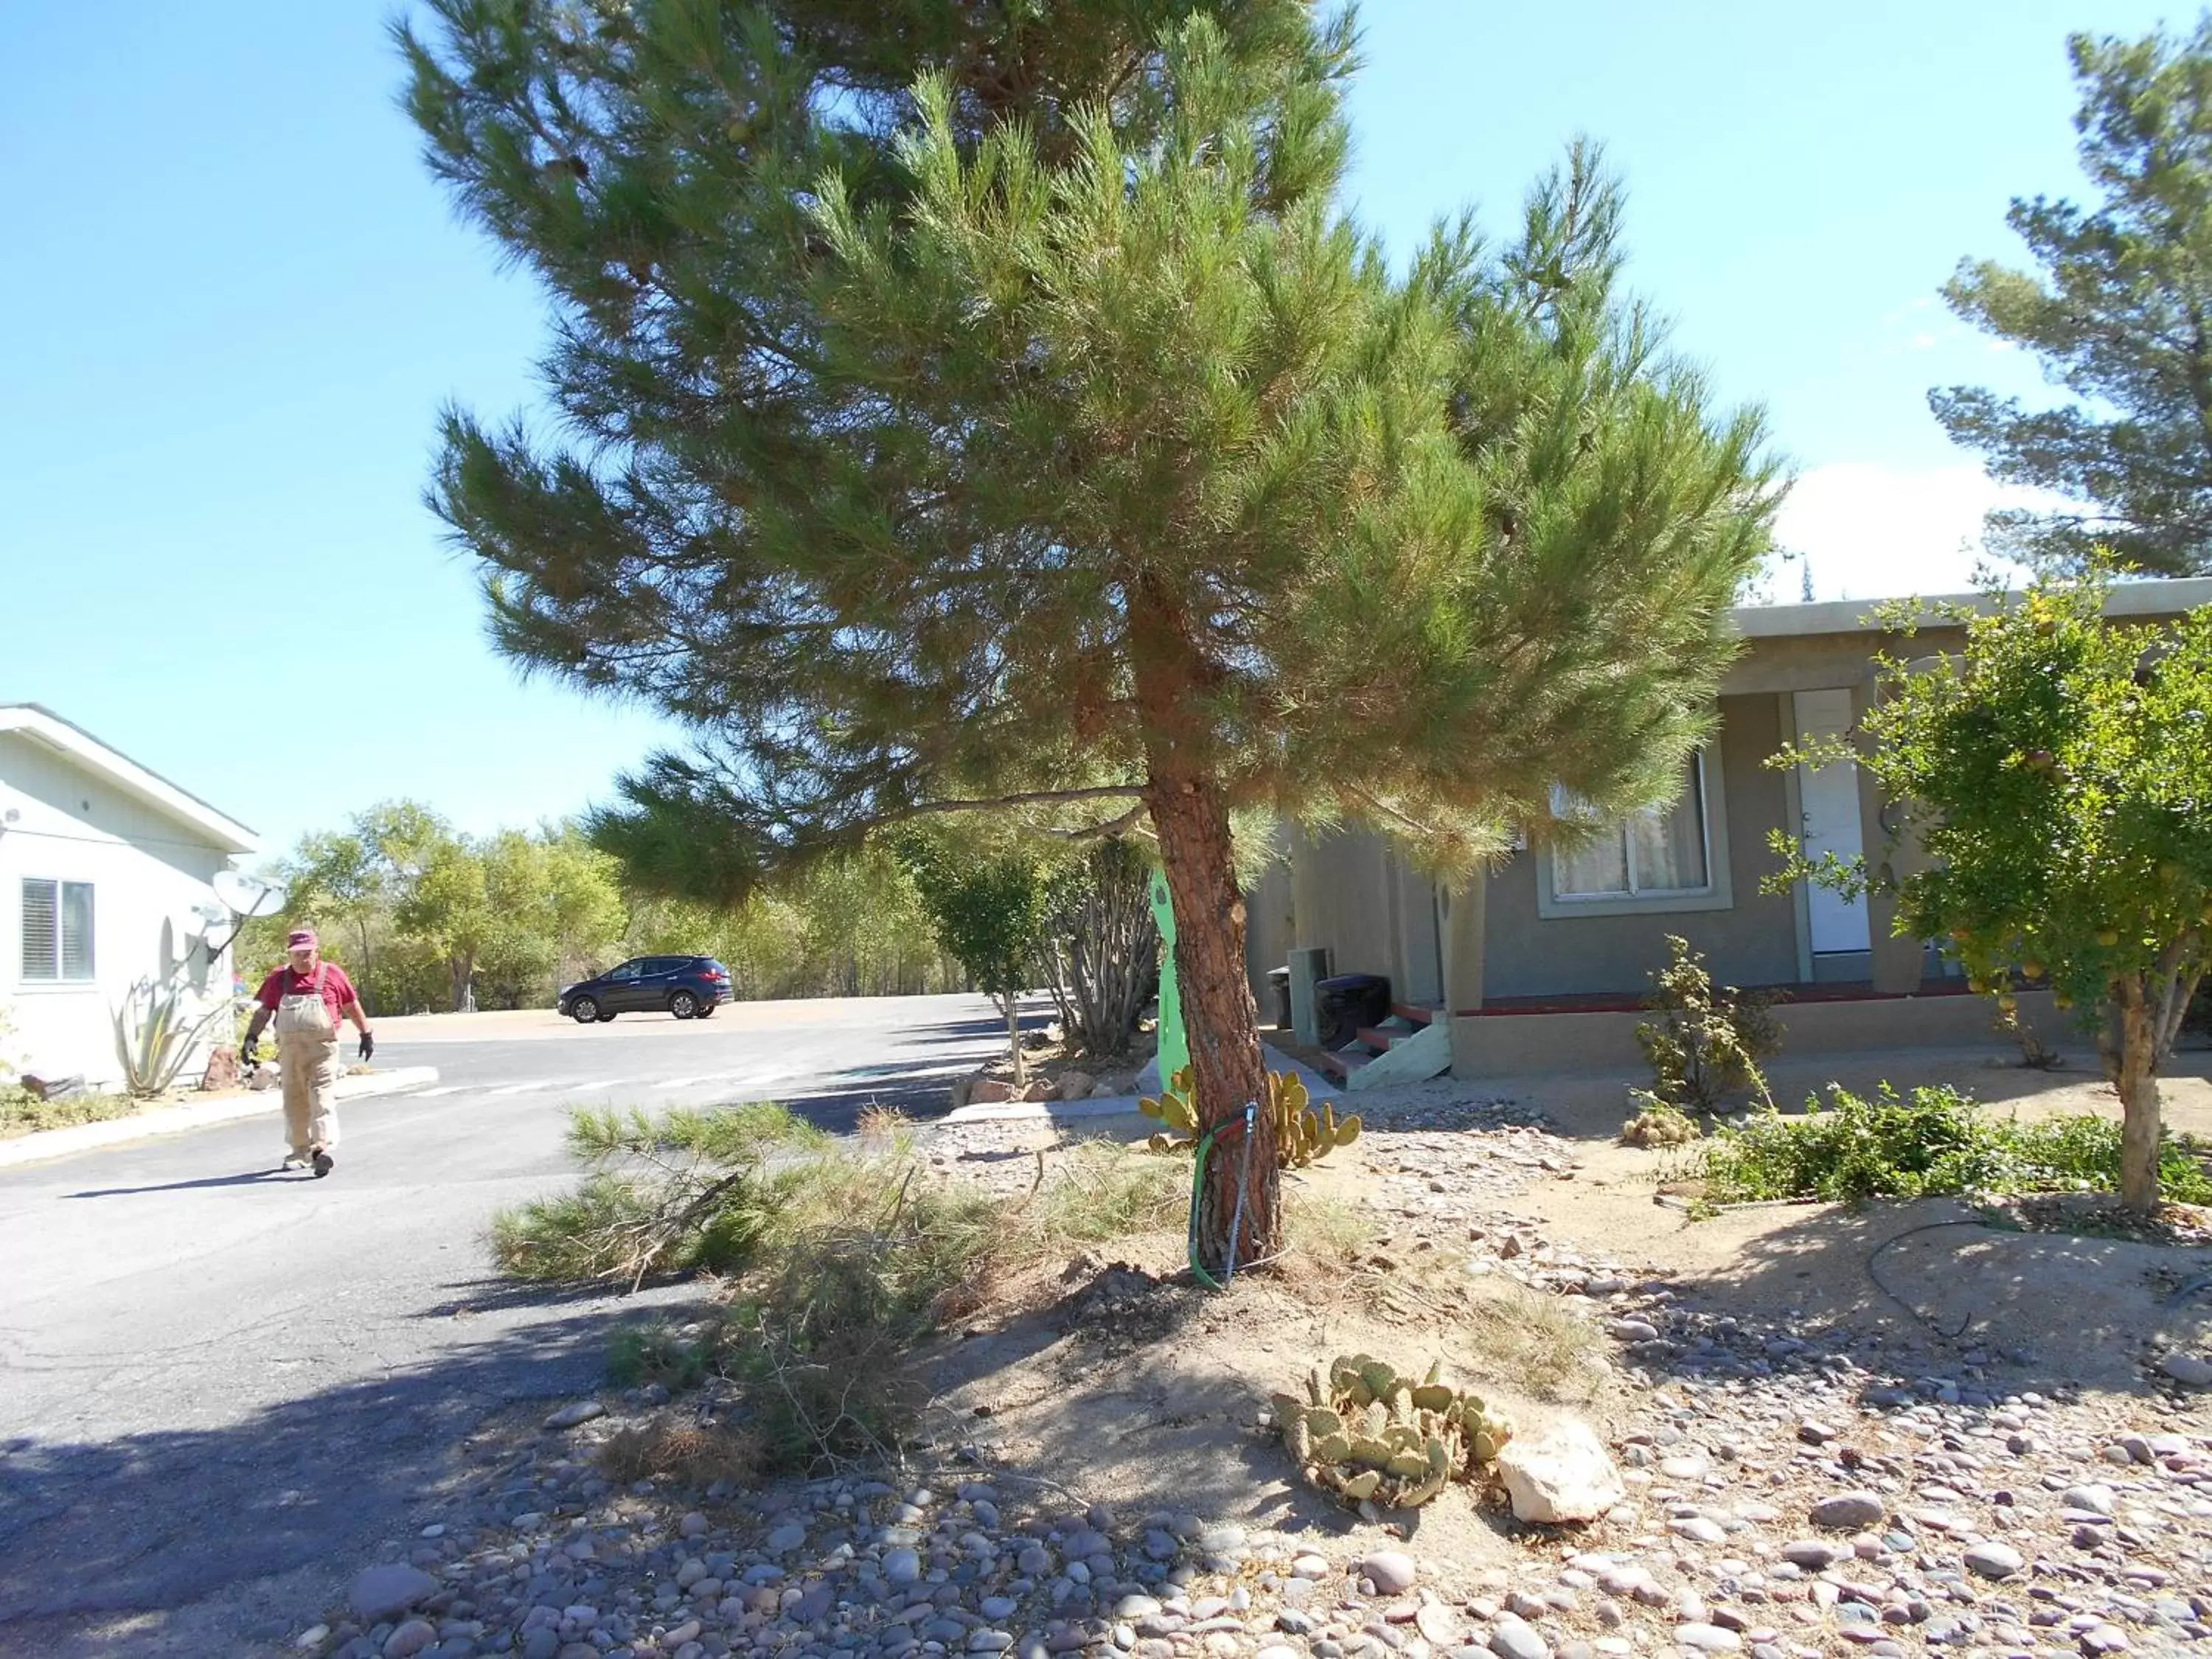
307, 996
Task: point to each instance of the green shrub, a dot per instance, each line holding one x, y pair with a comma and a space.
1931, 1141
1706, 1043
22, 1113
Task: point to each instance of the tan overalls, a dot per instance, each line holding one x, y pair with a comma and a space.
307, 1059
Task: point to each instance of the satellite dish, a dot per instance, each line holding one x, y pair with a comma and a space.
245, 896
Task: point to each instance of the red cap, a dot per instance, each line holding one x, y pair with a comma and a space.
301, 939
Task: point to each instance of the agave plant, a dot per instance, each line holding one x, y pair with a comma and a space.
154, 1044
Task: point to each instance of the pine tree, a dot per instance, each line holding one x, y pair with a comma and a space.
2117, 315
992, 410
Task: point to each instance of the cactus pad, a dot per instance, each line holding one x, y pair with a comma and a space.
1371, 1434
1302, 1136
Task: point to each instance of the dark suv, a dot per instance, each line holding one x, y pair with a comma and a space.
690, 987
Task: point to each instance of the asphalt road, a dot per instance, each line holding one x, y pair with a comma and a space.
219, 1385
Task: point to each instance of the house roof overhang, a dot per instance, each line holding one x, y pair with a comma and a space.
2167, 597
43, 726
1806, 648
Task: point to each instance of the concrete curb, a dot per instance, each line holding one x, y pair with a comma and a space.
1017, 1111
178, 1119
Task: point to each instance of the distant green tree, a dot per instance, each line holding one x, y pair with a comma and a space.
348, 883
2119, 315
989, 906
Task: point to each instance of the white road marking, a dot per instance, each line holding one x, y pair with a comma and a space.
432, 1094
519, 1088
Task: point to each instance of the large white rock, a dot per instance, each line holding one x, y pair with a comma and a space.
1562, 1474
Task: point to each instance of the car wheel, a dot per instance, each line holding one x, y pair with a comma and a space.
683, 1005
606, 1016
706, 1011
584, 1011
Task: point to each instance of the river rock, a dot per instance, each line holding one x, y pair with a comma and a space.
388, 1589
1849, 1511
1392, 1572
1995, 1560
1513, 1637
2187, 1368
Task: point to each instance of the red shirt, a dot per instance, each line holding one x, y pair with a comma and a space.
338, 990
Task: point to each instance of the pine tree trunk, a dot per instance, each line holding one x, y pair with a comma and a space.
2137, 1080
1222, 1020
1014, 1041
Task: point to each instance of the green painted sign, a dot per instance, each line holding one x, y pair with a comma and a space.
1175, 1046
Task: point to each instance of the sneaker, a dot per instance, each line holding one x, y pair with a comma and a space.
323, 1162
294, 1161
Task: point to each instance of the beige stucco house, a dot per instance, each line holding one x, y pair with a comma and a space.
1541, 963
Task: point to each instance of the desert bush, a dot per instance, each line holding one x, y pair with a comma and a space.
1930, 1142
839, 1257
1706, 1043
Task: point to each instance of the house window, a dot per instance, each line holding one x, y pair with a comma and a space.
57, 931
1657, 853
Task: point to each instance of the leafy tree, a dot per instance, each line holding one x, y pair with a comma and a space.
989, 906
399, 893
2117, 315
449, 907
2055, 778
865, 929
348, 884
991, 410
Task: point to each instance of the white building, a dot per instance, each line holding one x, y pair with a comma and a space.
104, 885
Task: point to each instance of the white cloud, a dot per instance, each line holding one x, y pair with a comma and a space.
1874, 532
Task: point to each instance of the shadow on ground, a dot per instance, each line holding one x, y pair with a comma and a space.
1917, 1296
218, 1541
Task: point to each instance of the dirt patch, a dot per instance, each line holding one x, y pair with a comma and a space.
1139, 1392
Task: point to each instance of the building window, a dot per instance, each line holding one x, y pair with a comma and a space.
1658, 853
57, 931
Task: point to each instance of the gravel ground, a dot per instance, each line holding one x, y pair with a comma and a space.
1795, 1488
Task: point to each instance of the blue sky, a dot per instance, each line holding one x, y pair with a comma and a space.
232, 302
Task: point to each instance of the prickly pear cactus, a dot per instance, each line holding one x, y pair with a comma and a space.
1177, 1108
1302, 1136
1371, 1435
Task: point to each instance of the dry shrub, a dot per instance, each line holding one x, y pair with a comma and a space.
884, 1128
1530, 1339
1098, 1192
688, 1454
1322, 1235
1658, 1126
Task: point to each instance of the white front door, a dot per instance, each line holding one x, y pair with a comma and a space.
1831, 799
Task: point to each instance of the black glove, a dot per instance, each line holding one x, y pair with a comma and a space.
367, 1046
248, 1059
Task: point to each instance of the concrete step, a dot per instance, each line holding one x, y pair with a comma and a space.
1382, 1038
1342, 1066
1414, 1013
